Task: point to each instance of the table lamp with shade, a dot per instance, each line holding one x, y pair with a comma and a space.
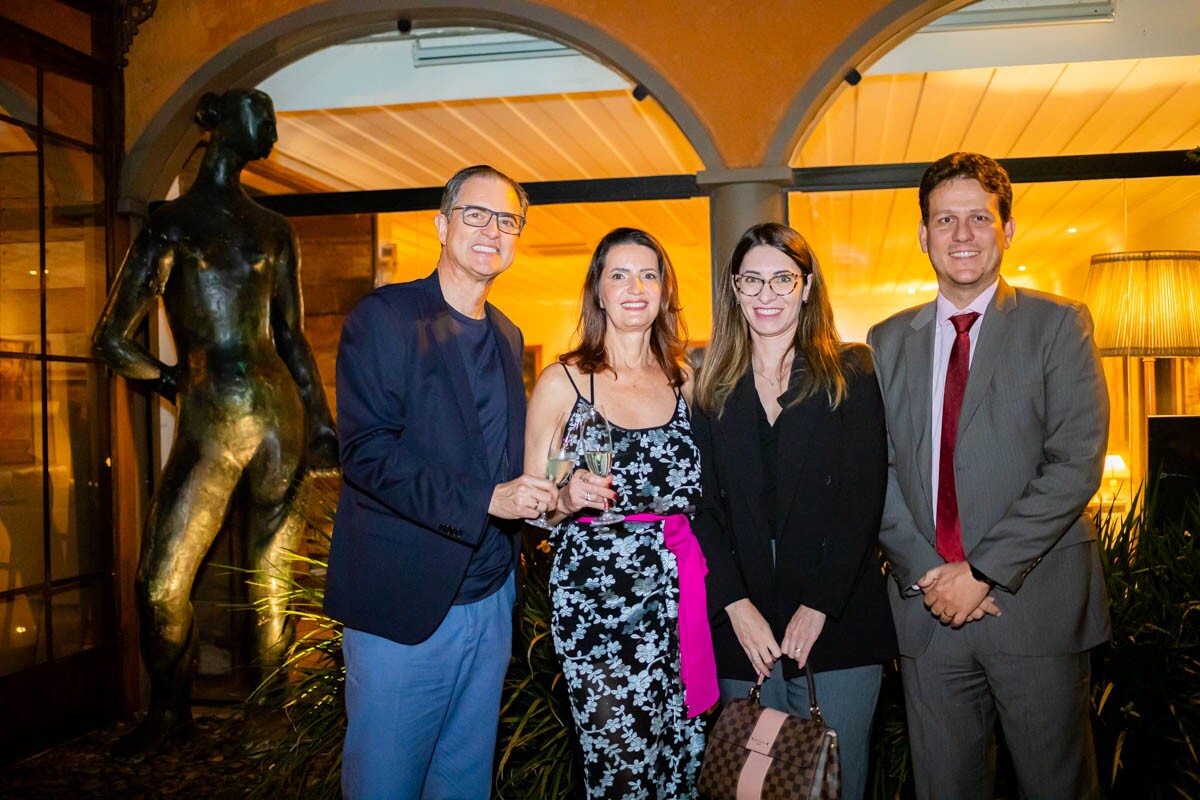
1144, 305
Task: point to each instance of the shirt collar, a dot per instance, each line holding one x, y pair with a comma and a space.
946, 309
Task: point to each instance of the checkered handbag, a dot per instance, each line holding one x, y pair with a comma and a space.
757, 753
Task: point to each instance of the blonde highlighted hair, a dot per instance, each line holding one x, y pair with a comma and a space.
816, 339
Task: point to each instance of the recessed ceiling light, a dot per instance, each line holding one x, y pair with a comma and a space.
1072, 230
1021, 268
912, 291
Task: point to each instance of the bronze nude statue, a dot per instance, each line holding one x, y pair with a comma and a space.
252, 409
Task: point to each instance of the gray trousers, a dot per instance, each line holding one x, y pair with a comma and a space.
960, 686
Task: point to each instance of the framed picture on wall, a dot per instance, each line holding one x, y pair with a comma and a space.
532, 366
17, 407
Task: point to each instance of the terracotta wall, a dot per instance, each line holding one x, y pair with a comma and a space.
746, 78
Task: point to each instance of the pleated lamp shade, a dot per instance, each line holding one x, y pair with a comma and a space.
1145, 303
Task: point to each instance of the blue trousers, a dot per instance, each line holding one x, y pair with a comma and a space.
847, 698
422, 717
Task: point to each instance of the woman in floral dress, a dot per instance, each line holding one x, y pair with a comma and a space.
615, 588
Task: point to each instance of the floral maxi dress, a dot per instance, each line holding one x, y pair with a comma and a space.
615, 598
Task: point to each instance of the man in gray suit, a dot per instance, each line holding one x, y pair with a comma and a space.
997, 418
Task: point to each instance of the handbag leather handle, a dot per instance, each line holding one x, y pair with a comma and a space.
814, 710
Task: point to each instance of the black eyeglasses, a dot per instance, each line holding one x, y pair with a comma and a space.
479, 217
782, 284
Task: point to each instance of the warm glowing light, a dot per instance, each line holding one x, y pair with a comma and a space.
1115, 466
1021, 268
1142, 302
20, 629
1072, 230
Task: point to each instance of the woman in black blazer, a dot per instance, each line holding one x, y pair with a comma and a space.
789, 422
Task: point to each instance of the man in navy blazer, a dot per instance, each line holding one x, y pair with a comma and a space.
431, 421
999, 592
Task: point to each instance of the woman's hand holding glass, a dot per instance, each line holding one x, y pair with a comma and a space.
585, 490
596, 443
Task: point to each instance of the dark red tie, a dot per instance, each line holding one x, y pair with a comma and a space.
949, 532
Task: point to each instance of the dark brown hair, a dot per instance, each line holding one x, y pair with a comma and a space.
991, 176
668, 334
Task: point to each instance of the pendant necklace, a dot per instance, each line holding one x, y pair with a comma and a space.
773, 381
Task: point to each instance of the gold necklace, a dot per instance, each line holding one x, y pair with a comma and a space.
775, 381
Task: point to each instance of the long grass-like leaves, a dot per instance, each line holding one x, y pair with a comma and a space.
1146, 683
535, 744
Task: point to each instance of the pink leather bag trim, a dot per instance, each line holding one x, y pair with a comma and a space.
754, 773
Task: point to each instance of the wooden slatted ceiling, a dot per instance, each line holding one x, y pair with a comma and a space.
541, 138
1042, 110
866, 240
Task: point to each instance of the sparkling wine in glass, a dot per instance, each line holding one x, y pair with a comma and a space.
597, 454
560, 462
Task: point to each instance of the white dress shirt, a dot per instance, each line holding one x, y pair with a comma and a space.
943, 343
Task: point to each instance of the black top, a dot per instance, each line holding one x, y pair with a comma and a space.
492, 560
768, 440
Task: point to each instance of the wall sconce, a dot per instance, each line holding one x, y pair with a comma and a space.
1142, 303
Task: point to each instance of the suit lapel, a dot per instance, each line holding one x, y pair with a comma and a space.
739, 427
441, 330
918, 360
511, 357
993, 337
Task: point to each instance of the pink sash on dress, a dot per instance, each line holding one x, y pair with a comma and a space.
698, 665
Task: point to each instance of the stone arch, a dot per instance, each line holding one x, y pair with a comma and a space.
170, 136
891, 25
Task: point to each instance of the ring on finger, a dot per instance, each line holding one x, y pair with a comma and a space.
587, 496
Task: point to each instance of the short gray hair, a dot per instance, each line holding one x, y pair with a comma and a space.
455, 184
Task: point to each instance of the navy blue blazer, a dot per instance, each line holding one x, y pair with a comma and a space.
415, 480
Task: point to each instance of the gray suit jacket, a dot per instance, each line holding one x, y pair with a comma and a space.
1030, 454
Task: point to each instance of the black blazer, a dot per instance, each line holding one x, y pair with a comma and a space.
415, 483
830, 482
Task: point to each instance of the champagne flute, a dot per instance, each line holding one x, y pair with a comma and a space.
560, 462
598, 453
